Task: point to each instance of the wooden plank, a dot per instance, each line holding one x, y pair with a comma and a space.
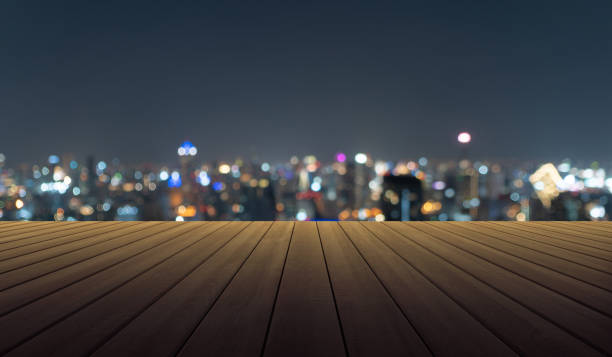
32, 231
604, 227
448, 329
35, 252
237, 322
177, 313
7, 227
520, 328
579, 234
48, 235
10, 223
372, 322
551, 239
563, 266
305, 320
590, 326
568, 238
588, 295
28, 272
506, 233
32, 244
118, 307
71, 299
139, 243
594, 227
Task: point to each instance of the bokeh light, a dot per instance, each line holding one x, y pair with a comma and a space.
464, 137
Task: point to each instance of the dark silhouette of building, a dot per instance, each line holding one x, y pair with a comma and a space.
402, 198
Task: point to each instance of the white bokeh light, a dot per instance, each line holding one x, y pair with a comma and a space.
464, 137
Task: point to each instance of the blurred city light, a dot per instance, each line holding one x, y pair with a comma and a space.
361, 158
175, 180
464, 137
305, 188
340, 157
187, 149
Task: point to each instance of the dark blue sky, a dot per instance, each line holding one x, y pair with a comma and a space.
398, 79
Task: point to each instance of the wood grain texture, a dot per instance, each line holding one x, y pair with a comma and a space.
176, 314
524, 239
236, 324
448, 329
586, 294
590, 326
583, 235
520, 328
495, 240
18, 324
305, 320
49, 232
564, 241
373, 323
305, 288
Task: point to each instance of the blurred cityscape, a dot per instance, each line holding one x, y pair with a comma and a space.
344, 187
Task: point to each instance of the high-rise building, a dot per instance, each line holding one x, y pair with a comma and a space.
402, 198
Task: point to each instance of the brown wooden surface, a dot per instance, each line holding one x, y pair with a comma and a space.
305, 288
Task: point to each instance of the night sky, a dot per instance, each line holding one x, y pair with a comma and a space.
132, 79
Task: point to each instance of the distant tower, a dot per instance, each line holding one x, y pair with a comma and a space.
186, 189
187, 151
91, 176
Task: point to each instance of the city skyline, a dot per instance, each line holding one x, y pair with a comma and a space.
169, 159
350, 187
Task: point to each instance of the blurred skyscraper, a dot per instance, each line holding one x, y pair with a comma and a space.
403, 198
